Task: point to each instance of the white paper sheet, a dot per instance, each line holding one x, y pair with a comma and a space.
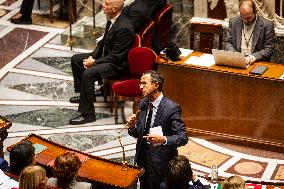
185, 52
282, 76
206, 60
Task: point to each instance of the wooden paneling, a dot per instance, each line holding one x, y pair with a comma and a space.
227, 103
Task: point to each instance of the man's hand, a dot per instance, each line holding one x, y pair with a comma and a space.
131, 121
155, 139
88, 62
249, 59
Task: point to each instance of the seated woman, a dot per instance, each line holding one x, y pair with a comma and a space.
234, 182
179, 174
65, 170
21, 155
33, 177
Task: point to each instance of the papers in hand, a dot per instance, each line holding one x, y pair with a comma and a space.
157, 131
206, 60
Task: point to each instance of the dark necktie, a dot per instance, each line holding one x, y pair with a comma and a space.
103, 40
149, 118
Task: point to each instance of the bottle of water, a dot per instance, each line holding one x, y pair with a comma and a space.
214, 174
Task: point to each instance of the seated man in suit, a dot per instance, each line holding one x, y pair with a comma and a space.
251, 34
109, 59
179, 175
159, 129
140, 12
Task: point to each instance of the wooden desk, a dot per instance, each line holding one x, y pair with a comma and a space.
4, 125
95, 169
221, 103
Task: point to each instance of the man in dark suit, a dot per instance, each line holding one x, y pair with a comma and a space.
109, 59
179, 175
140, 12
251, 34
159, 129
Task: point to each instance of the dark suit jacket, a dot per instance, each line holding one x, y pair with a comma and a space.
196, 185
263, 39
117, 42
140, 12
169, 118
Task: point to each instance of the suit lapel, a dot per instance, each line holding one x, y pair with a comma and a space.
256, 33
239, 33
160, 111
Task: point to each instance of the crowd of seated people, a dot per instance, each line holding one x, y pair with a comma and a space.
22, 167
178, 174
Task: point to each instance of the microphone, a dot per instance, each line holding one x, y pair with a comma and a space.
126, 126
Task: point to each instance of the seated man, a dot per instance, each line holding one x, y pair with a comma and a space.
251, 34
21, 156
140, 12
109, 59
179, 175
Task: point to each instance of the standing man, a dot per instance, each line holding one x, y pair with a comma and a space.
26, 13
109, 59
159, 129
251, 34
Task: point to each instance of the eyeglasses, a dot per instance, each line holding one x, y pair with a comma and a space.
143, 84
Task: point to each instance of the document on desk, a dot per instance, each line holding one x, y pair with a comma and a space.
185, 52
206, 60
7, 182
282, 77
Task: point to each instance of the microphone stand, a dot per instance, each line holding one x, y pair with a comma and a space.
124, 166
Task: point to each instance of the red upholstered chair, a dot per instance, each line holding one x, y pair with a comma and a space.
163, 23
107, 83
146, 34
140, 59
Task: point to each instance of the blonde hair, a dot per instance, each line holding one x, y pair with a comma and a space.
32, 177
234, 182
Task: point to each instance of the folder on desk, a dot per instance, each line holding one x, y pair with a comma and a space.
39, 148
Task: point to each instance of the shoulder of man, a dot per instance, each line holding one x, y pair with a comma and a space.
124, 23
264, 21
170, 102
235, 19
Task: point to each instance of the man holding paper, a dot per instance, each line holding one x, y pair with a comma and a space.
159, 129
251, 34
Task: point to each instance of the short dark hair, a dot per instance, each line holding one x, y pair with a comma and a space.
21, 156
178, 173
252, 5
156, 78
